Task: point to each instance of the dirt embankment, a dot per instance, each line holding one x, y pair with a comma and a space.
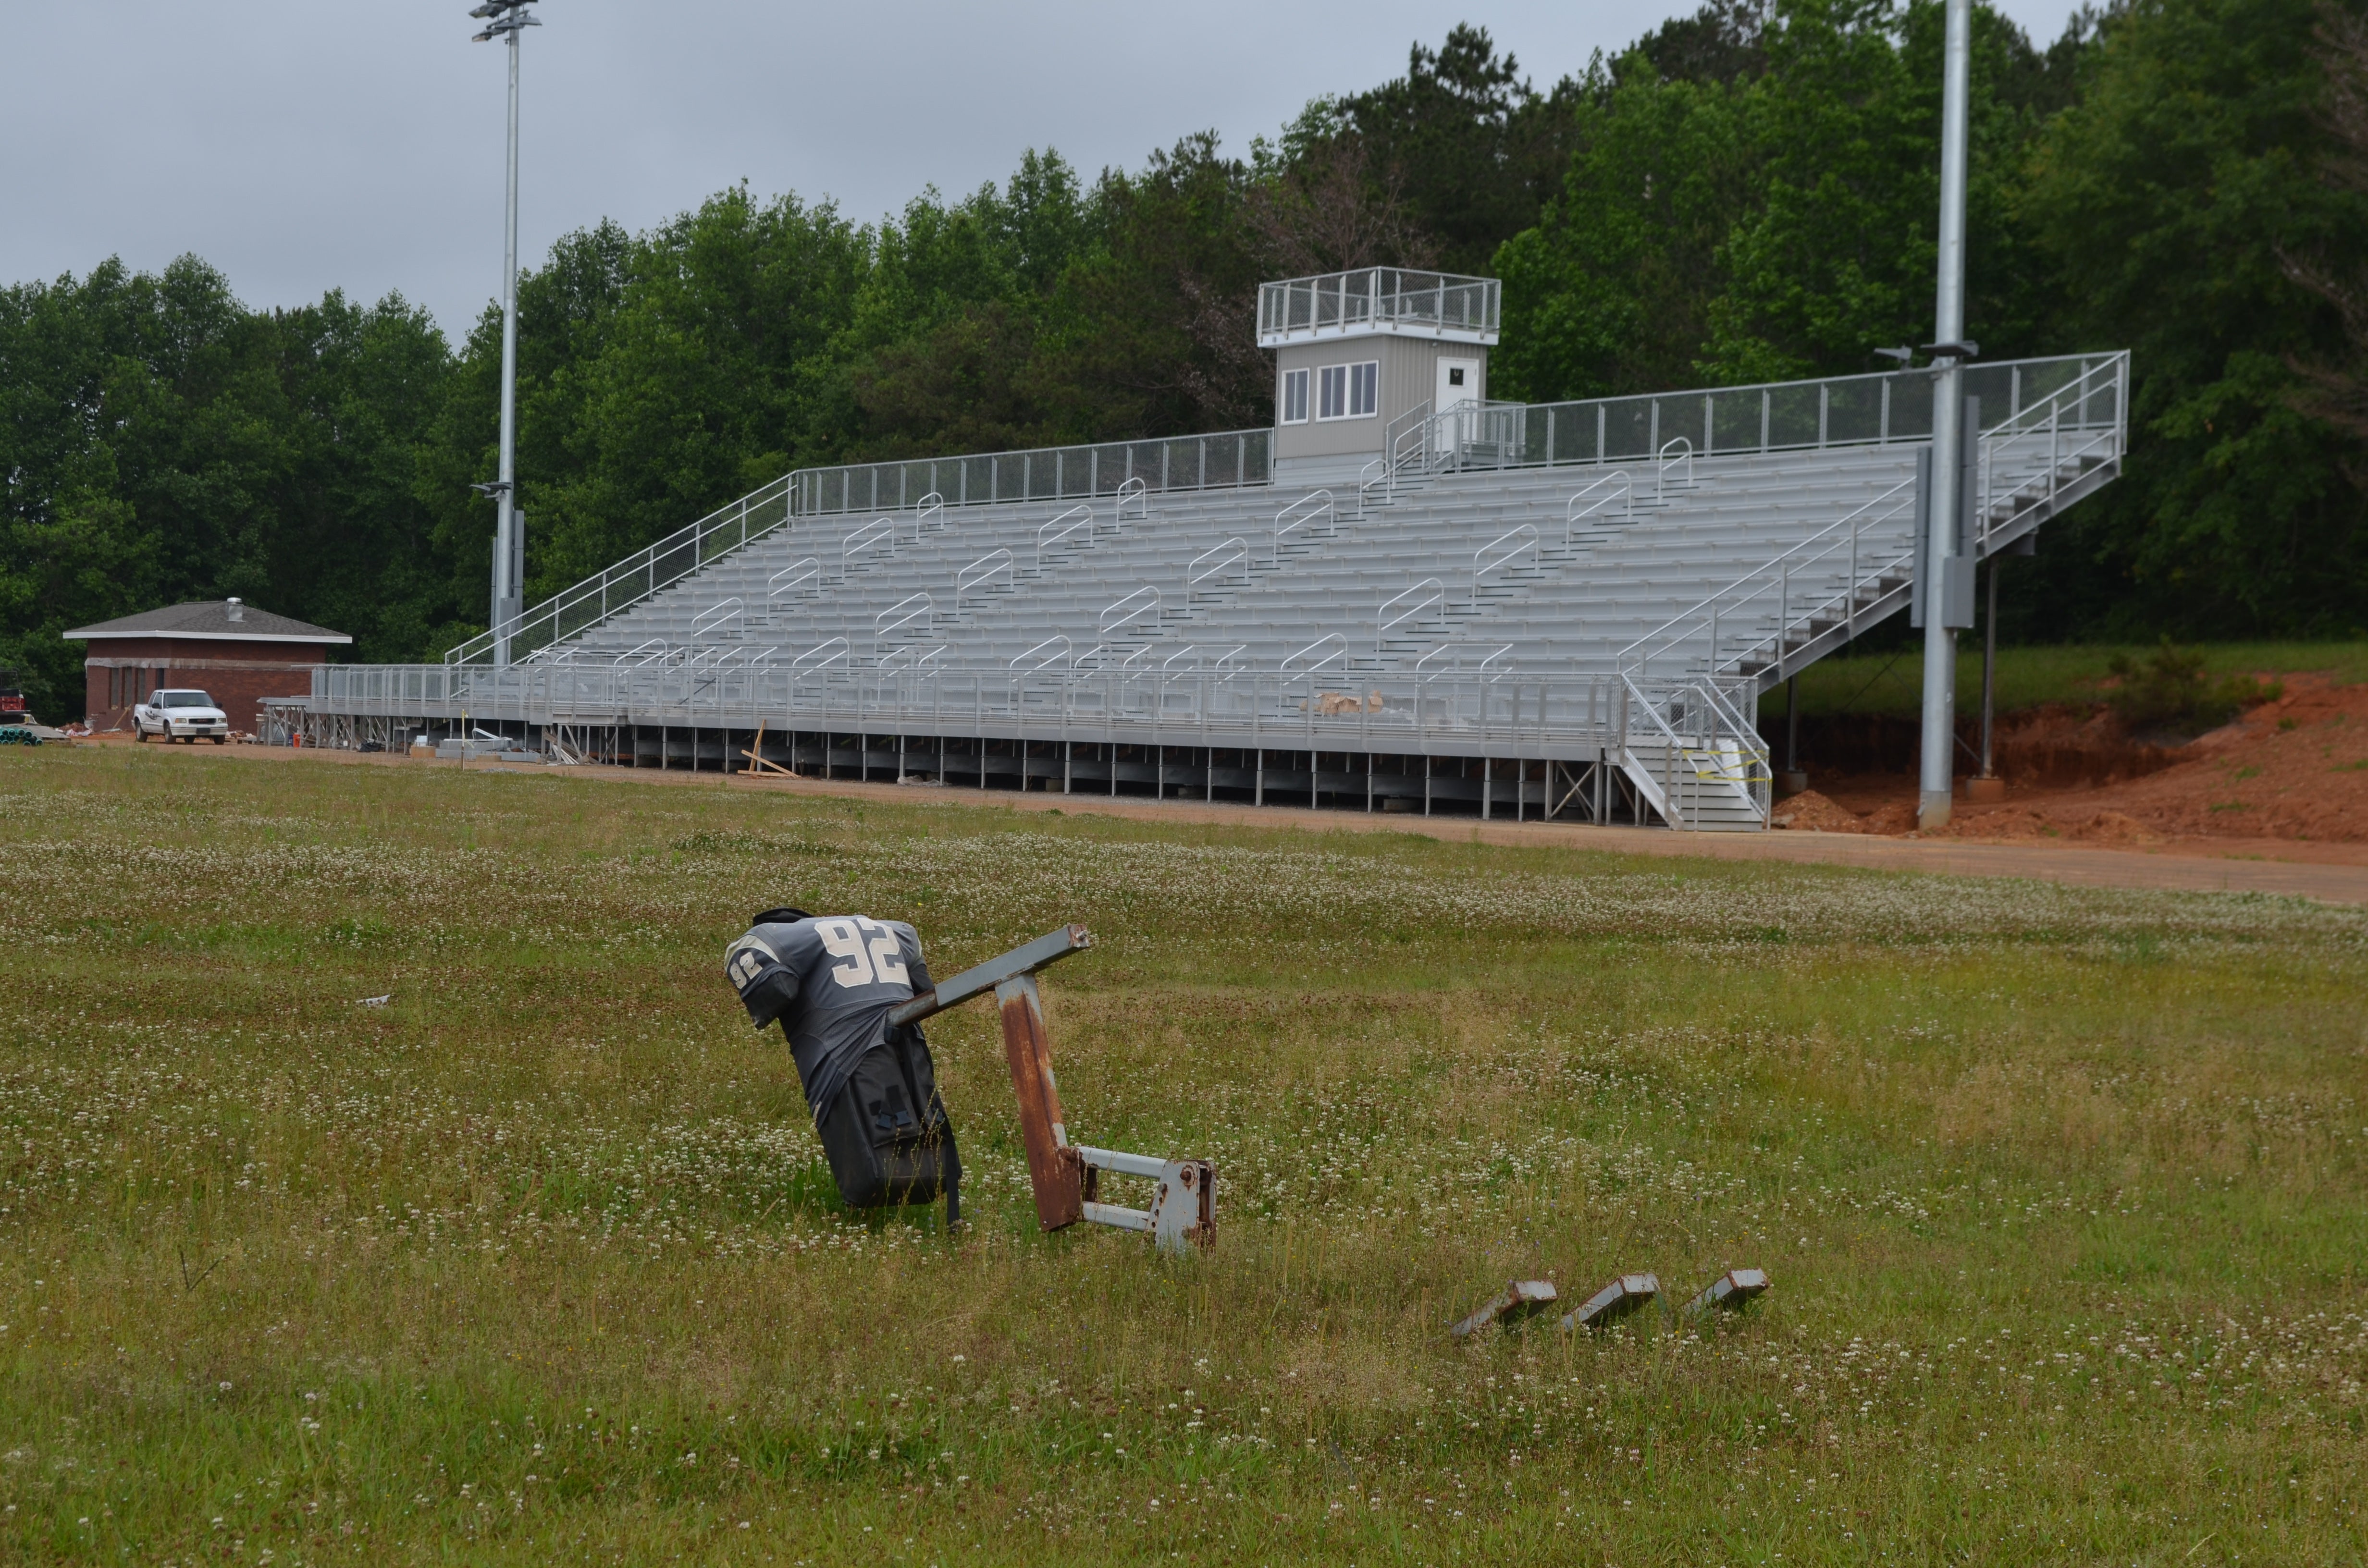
2295, 769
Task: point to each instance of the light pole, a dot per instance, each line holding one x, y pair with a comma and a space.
505, 21
1949, 352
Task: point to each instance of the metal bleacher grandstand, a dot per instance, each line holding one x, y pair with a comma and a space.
1398, 598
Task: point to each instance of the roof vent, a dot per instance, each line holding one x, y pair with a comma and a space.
237, 609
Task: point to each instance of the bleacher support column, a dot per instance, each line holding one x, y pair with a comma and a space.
1938, 764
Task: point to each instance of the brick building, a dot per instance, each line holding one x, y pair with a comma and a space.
239, 654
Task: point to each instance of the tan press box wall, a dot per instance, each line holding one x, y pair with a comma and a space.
1409, 375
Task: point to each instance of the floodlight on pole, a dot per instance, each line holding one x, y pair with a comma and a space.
507, 21
1942, 522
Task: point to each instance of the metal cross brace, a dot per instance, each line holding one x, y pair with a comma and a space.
1066, 1177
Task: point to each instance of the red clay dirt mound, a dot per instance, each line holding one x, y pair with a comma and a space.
1809, 812
2293, 769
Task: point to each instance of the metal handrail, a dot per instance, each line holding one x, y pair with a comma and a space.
2043, 417
1135, 493
1083, 515
723, 656
1219, 460
808, 569
588, 603
1301, 514
1384, 622
1452, 304
1065, 654
982, 570
2047, 414
880, 533
1571, 514
1875, 408
1664, 463
913, 607
1482, 566
1233, 549
1481, 668
1710, 608
1119, 613
1496, 711
655, 647
1673, 745
820, 656
1188, 648
1340, 651
723, 611
931, 506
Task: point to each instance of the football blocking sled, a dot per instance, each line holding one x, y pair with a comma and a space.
1067, 1177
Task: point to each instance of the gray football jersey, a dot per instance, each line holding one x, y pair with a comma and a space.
848, 970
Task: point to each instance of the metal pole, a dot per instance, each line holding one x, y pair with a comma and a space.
1938, 764
1989, 664
506, 586
1793, 724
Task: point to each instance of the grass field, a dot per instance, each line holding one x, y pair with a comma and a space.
1881, 683
2061, 1190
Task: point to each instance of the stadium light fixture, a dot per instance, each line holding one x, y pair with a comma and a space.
507, 20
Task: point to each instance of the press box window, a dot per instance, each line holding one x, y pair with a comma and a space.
1348, 392
1294, 397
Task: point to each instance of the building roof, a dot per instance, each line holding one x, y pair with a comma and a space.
210, 620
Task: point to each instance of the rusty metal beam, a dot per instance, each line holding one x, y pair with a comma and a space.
1055, 1170
1183, 1212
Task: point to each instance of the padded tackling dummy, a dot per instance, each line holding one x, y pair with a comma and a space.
830, 981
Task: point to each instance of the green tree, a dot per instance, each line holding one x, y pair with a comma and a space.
1612, 290
1837, 257
1475, 148
2167, 197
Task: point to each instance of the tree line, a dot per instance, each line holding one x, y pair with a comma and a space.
1746, 193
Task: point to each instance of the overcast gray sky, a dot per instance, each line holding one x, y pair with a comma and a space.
304, 147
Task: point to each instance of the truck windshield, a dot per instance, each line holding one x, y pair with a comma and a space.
183, 700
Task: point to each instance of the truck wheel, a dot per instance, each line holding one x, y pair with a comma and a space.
220, 739
140, 734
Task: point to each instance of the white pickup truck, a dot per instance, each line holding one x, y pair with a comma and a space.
180, 716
